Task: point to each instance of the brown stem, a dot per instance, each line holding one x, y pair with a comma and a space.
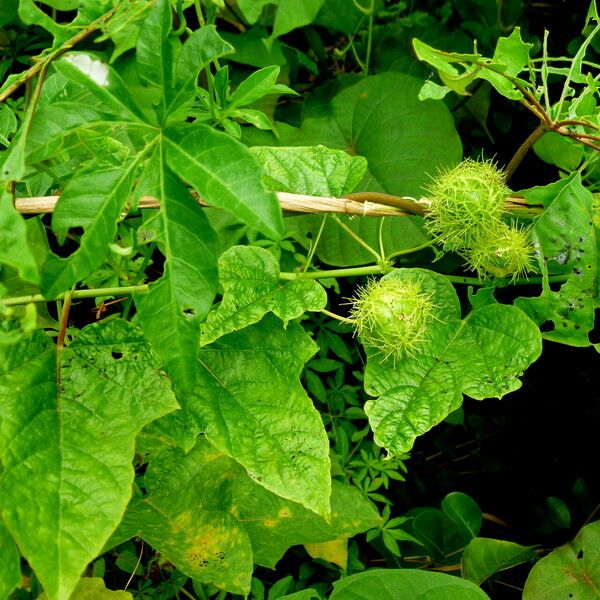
519, 155
576, 134
60, 340
539, 111
37, 67
580, 138
578, 122
409, 205
64, 321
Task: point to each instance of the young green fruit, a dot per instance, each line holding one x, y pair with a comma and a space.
393, 316
505, 251
466, 201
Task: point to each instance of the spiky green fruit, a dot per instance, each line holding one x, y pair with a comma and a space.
465, 201
393, 316
505, 251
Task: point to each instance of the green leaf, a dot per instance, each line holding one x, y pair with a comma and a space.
67, 450
484, 556
170, 314
124, 27
93, 588
405, 584
255, 117
567, 240
8, 124
31, 14
207, 485
10, 563
571, 571
308, 594
433, 91
177, 429
14, 247
250, 280
290, 14
560, 151
511, 55
481, 356
225, 174
203, 46
465, 513
93, 200
312, 170
102, 81
52, 123
405, 141
438, 533
153, 51
512, 52
202, 541
258, 413
272, 522
254, 87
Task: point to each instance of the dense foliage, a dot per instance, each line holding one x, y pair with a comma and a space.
251, 253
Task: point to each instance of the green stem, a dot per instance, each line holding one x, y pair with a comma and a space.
415, 248
538, 279
93, 293
337, 317
380, 236
349, 272
199, 14
139, 276
181, 18
313, 249
370, 37
357, 238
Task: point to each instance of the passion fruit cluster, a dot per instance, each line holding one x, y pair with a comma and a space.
466, 213
393, 316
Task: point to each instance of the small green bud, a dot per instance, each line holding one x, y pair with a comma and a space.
393, 316
465, 201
